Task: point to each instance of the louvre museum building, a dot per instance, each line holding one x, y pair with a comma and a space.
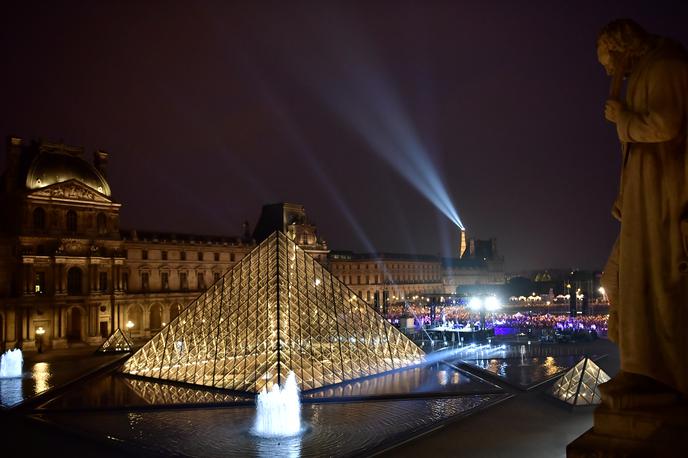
68, 271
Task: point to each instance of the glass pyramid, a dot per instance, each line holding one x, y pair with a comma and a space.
277, 310
117, 342
579, 385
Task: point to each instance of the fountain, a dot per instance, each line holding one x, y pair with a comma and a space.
279, 410
11, 364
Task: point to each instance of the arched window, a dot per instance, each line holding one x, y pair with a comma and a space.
101, 222
71, 221
135, 315
74, 281
39, 219
155, 318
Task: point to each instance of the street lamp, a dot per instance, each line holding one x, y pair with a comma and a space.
130, 324
39, 333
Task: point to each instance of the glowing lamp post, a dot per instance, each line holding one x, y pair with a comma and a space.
130, 324
39, 337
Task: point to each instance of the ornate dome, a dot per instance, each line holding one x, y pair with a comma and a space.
55, 167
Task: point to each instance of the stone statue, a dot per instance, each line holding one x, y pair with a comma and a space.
646, 277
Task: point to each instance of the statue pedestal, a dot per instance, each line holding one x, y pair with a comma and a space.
637, 428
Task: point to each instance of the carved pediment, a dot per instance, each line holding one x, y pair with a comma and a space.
72, 190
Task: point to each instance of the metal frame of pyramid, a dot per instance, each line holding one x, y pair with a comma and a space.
579, 386
116, 343
277, 310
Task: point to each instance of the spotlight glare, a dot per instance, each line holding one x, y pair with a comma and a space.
492, 304
476, 303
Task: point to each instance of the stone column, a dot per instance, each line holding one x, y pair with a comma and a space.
26, 278
63, 321
32, 280
93, 286
115, 278
55, 275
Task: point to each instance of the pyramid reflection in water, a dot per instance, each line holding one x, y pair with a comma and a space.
117, 342
579, 386
277, 310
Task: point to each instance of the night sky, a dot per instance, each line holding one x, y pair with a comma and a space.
210, 110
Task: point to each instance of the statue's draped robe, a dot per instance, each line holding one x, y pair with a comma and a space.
649, 298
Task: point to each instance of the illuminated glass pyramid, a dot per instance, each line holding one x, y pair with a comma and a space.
579, 385
277, 310
117, 342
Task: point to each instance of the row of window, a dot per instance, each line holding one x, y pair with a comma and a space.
349, 279
182, 256
348, 266
75, 281
183, 280
40, 218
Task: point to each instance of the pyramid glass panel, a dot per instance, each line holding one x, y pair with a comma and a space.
579, 386
277, 310
116, 343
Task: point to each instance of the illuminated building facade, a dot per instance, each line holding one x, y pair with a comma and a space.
68, 268
381, 278
385, 277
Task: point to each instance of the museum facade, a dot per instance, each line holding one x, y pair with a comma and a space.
69, 276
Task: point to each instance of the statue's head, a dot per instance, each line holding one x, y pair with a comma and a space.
621, 38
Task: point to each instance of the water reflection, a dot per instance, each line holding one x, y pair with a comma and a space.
162, 393
439, 378
289, 447
335, 429
41, 376
15, 390
10, 392
528, 371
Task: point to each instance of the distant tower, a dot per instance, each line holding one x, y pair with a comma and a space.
462, 244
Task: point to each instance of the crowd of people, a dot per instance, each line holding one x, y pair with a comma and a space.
460, 317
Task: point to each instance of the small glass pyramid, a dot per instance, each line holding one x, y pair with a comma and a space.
578, 386
117, 342
277, 310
